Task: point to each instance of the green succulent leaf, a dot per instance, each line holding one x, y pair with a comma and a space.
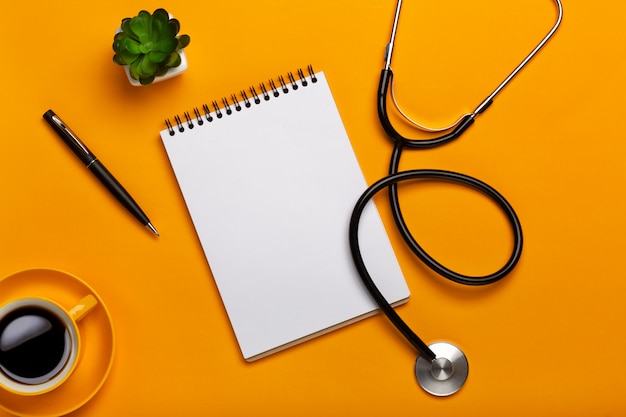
174, 60
161, 70
166, 46
137, 68
117, 60
146, 80
147, 67
159, 20
130, 45
157, 57
175, 23
132, 69
126, 29
141, 27
146, 47
170, 30
125, 57
161, 14
183, 41
121, 35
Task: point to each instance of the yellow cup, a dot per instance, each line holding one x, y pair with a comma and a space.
39, 343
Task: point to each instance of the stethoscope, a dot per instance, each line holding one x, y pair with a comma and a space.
441, 368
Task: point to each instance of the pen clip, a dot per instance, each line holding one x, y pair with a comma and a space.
70, 135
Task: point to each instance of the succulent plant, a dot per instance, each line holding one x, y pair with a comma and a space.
149, 44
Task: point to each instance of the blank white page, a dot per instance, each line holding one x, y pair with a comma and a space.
270, 190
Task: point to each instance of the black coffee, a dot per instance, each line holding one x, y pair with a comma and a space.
34, 345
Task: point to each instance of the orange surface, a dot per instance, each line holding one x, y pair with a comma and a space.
548, 340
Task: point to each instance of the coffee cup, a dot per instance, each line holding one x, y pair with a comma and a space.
39, 343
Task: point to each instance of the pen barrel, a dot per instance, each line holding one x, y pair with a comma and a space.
119, 192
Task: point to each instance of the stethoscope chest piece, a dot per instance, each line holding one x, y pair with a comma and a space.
446, 374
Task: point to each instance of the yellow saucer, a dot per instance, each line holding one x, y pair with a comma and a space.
97, 336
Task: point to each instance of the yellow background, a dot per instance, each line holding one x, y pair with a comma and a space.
548, 340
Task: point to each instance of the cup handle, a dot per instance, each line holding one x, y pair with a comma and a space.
84, 306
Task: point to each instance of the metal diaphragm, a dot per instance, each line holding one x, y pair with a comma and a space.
446, 374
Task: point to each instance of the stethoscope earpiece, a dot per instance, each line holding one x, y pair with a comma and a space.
444, 375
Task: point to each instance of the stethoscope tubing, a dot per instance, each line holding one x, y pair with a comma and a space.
391, 181
465, 180
427, 174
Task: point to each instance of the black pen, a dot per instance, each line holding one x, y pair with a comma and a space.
96, 167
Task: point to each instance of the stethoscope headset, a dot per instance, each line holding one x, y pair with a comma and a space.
441, 368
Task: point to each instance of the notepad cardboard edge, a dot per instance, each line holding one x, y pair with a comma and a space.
376, 311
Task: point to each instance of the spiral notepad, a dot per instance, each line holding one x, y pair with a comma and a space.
270, 179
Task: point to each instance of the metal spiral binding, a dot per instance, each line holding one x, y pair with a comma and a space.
245, 100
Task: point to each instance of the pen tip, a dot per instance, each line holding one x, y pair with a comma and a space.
152, 229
